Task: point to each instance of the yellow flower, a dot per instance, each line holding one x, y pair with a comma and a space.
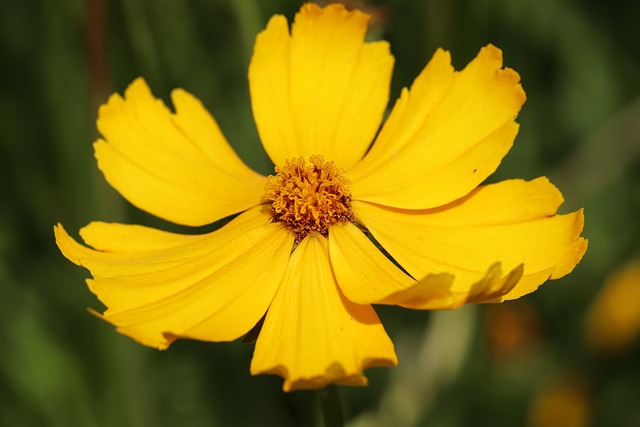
304, 252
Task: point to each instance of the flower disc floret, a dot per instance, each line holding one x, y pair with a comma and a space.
309, 196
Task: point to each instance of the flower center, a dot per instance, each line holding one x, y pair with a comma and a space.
308, 196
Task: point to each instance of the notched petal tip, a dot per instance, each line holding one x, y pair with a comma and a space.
70, 248
334, 374
576, 246
277, 26
507, 76
335, 11
161, 342
490, 59
138, 88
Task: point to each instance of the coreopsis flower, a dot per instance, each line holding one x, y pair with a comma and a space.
306, 250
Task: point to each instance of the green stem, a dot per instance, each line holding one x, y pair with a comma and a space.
331, 408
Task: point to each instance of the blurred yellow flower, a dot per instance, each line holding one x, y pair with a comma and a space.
564, 403
613, 321
303, 251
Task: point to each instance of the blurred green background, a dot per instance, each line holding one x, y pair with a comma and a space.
523, 363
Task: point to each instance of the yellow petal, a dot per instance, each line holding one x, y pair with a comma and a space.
444, 136
494, 286
312, 335
213, 287
176, 166
509, 201
410, 110
366, 276
494, 224
320, 90
435, 291
129, 238
133, 249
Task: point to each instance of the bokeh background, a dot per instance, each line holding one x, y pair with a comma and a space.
568, 355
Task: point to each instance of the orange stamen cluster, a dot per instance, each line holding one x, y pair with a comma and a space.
308, 196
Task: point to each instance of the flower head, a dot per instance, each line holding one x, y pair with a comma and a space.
308, 197
303, 251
